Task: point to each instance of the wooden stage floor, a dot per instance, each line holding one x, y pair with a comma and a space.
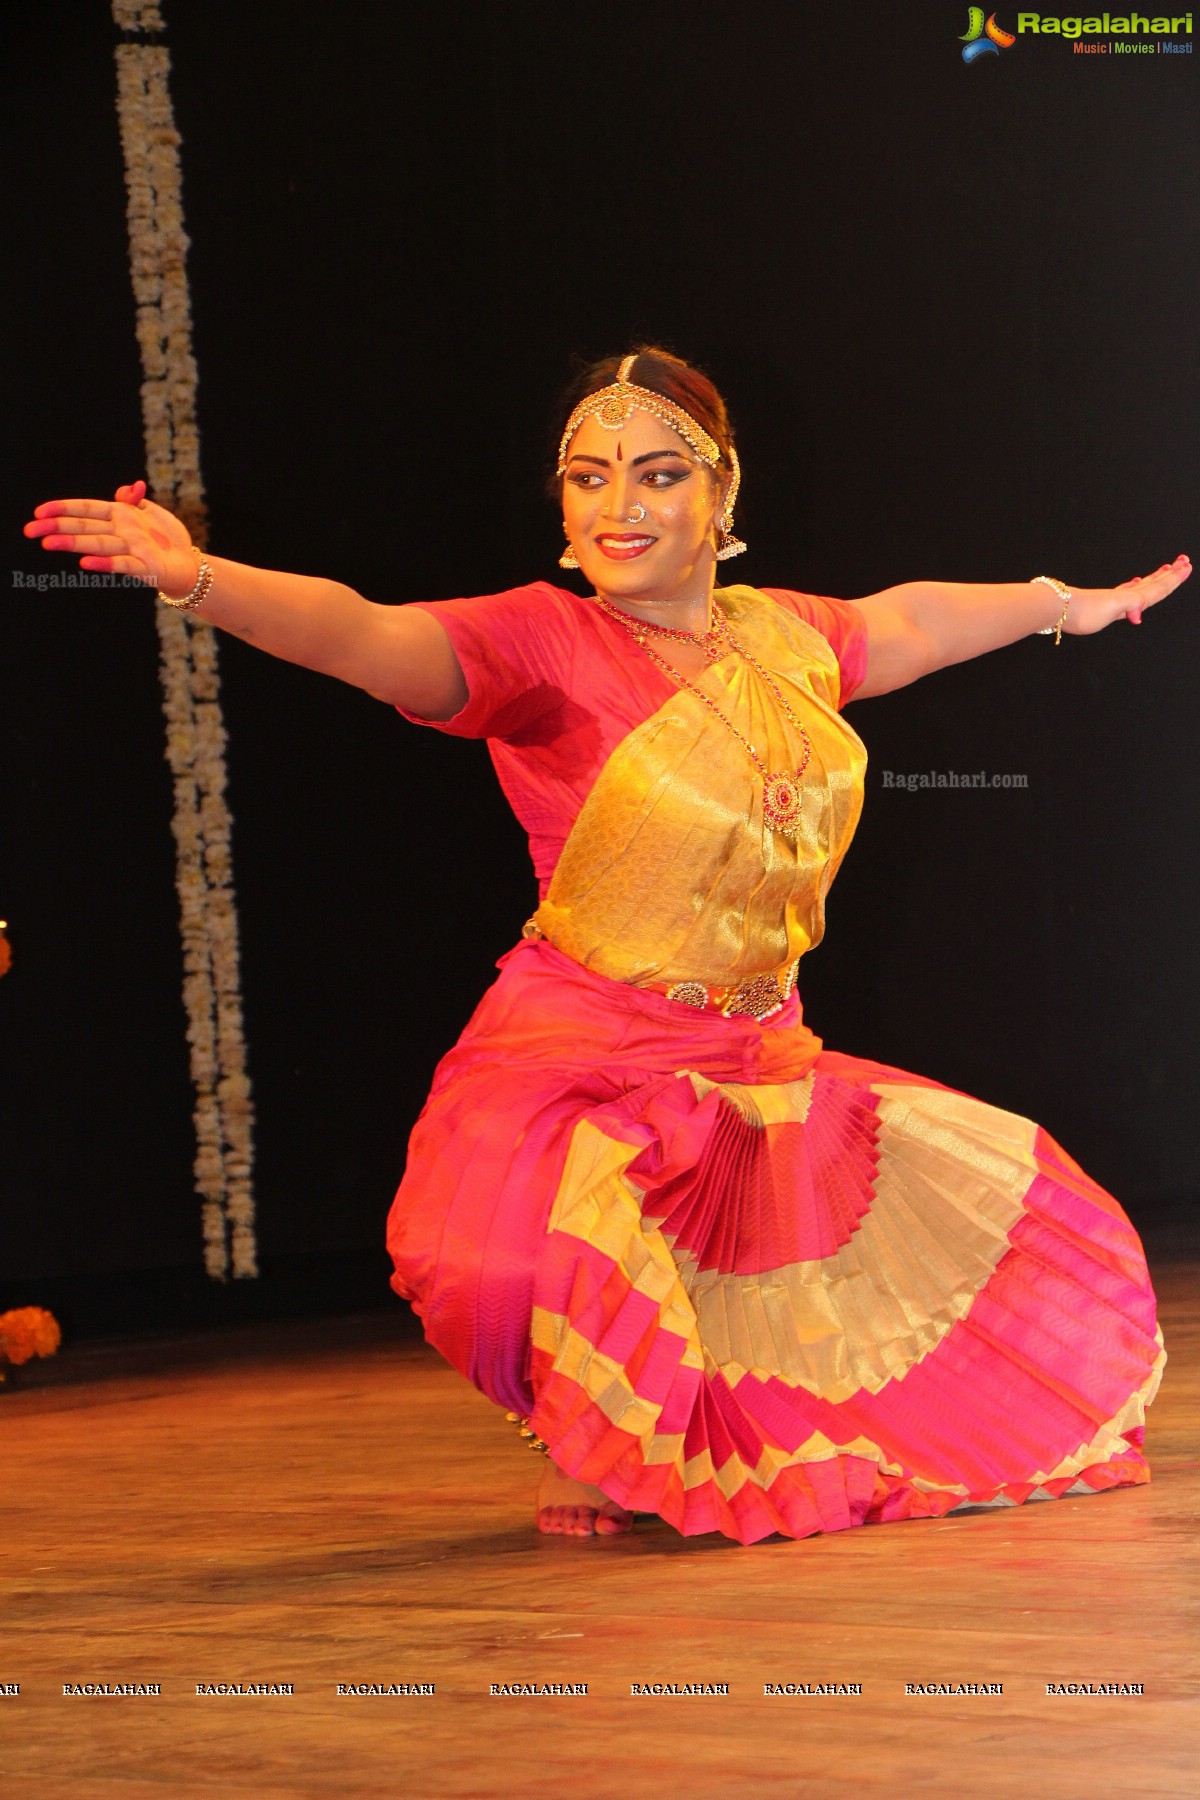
327, 1503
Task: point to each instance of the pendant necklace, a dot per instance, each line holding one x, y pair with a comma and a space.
782, 794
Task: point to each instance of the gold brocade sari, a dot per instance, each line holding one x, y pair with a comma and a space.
730, 1277
670, 873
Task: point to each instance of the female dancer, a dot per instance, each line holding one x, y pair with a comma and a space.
719, 1273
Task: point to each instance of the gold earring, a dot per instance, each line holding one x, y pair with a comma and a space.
727, 544
568, 559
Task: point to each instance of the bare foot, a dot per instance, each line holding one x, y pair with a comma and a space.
574, 1509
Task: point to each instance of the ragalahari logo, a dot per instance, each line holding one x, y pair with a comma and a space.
983, 39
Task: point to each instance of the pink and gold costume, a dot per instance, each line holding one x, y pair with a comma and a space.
731, 1277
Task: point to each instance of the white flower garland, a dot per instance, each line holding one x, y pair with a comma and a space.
224, 1111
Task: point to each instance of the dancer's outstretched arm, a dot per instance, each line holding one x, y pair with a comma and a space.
925, 625
398, 653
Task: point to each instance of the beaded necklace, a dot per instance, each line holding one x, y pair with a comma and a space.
713, 642
782, 793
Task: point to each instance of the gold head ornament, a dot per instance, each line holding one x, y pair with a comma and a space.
614, 406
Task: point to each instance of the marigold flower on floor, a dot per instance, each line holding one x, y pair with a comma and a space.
28, 1331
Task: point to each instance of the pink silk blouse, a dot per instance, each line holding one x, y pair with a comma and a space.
554, 684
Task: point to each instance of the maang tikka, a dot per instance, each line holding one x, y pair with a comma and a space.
614, 406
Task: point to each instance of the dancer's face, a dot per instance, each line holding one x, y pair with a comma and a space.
610, 474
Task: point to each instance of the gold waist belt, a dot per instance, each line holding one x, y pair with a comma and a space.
757, 997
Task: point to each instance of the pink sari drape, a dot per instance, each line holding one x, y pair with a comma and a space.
733, 1278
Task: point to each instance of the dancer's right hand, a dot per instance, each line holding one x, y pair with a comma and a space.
127, 535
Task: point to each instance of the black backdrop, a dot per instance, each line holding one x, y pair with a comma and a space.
953, 309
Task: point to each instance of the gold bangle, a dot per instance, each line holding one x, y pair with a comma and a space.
1065, 595
204, 579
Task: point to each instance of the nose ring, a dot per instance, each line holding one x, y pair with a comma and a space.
637, 514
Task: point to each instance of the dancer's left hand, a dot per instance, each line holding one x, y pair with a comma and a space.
1092, 609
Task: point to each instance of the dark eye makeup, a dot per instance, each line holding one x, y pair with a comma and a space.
660, 477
